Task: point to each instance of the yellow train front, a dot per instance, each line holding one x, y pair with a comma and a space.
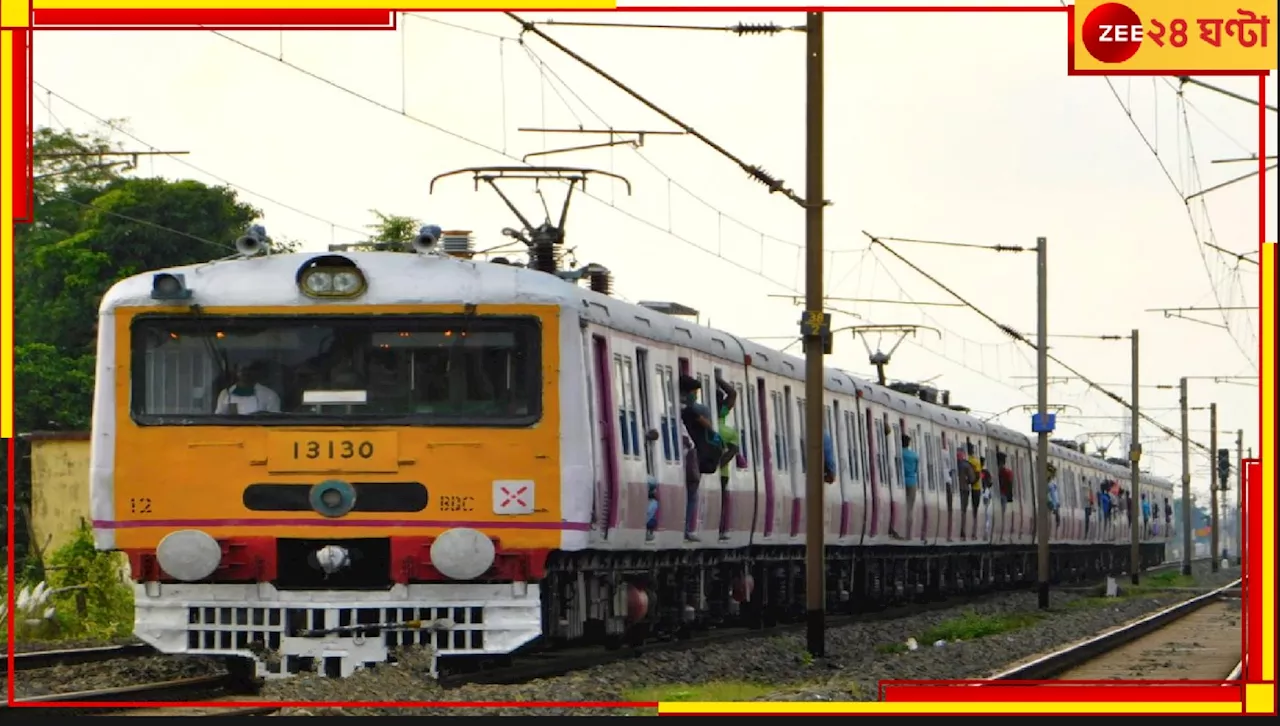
311, 459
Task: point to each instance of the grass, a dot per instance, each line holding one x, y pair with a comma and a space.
972, 626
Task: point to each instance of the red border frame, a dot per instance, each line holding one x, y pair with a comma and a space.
336, 19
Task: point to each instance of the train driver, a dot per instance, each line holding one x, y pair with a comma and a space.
246, 395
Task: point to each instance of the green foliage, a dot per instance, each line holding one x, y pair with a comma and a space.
102, 606
391, 231
971, 626
93, 226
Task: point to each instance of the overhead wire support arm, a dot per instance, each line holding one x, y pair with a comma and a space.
736, 28
1184, 80
1007, 330
1240, 256
755, 172
1226, 183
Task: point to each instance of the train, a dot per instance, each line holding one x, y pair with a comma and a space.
315, 459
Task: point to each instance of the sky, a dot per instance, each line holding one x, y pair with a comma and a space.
938, 127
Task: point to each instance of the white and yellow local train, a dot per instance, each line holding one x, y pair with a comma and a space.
312, 459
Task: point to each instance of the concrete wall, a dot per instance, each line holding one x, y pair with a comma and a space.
59, 486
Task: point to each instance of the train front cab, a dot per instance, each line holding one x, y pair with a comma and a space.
405, 506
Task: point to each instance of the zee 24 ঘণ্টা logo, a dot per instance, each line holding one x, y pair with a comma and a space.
1113, 32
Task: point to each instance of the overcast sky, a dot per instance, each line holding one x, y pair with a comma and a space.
939, 127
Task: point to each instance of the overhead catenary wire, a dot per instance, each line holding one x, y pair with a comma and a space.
124, 132
1007, 330
479, 144
755, 172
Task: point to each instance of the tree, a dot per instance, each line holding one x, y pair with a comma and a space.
94, 226
391, 231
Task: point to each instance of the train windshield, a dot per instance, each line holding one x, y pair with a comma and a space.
419, 370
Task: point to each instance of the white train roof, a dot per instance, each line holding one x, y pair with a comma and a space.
402, 278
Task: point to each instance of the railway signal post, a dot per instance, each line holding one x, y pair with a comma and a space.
1239, 494
1186, 482
816, 328
1213, 487
1042, 424
1135, 476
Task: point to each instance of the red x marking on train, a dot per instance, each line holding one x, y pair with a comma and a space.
509, 496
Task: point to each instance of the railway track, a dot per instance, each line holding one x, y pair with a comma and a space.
1198, 639
549, 664
76, 656
209, 689
113, 700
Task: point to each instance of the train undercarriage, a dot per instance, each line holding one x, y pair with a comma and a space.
624, 598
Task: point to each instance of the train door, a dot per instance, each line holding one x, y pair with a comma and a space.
874, 486
671, 487
782, 454
647, 446
631, 471
766, 457
798, 463
833, 498
891, 465
840, 439
926, 481
606, 490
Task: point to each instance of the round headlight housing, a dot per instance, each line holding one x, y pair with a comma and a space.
332, 282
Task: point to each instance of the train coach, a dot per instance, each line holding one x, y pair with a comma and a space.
313, 459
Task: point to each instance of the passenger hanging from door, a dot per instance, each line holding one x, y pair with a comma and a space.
985, 474
1054, 502
1004, 479
975, 497
726, 399
706, 450
966, 481
910, 478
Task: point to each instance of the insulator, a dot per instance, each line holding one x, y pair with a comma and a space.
545, 257
756, 29
601, 281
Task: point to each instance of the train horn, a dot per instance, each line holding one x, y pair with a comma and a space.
253, 242
427, 239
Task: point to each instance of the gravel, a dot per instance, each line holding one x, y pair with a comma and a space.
770, 668
777, 668
112, 674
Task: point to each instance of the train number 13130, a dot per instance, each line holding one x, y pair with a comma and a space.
344, 449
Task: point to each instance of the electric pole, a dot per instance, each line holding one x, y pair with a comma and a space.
816, 331
1135, 454
1042, 425
1186, 483
1213, 488
1239, 494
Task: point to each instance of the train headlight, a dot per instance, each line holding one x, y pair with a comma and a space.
169, 286
333, 498
332, 282
462, 553
189, 555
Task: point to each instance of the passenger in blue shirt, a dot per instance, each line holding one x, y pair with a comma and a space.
910, 478
829, 465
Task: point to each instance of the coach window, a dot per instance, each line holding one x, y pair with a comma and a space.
803, 458
741, 425
897, 454
621, 385
851, 442
336, 371
670, 431
646, 415
753, 412
929, 461
779, 430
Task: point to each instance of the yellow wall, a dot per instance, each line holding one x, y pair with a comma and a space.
59, 488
